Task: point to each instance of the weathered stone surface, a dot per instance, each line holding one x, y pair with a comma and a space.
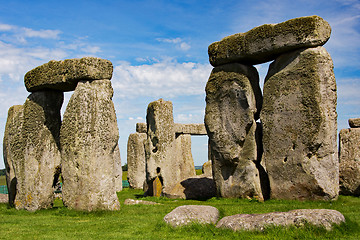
192, 129
137, 202
184, 157
163, 157
4, 198
266, 42
136, 160
189, 214
233, 99
64, 75
197, 187
207, 169
117, 169
354, 122
299, 126
89, 137
349, 157
320, 217
39, 145
12, 148
141, 127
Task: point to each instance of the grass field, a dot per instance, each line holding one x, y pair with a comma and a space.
146, 222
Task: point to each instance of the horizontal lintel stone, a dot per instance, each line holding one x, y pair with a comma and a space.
64, 75
264, 43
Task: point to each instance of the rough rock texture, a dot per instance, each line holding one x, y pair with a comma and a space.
64, 75
266, 42
299, 126
136, 202
349, 157
189, 214
166, 156
193, 129
183, 154
12, 146
207, 169
141, 127
117, 169
136, 160
354, 122
4, 198
89, 138
40, 148
233, 100
197, 187
320, 217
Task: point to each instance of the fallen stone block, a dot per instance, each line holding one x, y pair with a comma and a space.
258, 222
190, 214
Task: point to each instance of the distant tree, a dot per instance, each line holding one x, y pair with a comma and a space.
125, 167
3, 172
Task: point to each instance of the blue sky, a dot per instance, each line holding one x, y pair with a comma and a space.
159, 49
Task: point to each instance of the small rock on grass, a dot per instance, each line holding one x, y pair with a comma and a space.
189, 214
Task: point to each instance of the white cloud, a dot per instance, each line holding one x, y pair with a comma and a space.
5, 27
179, 43
167, 78
46, 34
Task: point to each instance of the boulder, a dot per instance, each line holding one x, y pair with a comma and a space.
197, 187
12, 148
354, 122
349, 157
190, 214
89, 138
64, 75
36, 169
233, 102
266, 42
136, 160
258, 222
299, 126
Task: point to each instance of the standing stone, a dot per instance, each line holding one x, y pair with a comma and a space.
136, 160
89, 137
207, 169
117, 169
40, 148
160, 145
12, 147
299, 126
184, 156
349, 158
233, 100
266, 42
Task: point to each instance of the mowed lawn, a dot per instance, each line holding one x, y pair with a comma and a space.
146, 221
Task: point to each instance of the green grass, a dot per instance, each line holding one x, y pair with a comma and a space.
2, 180
146, 221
